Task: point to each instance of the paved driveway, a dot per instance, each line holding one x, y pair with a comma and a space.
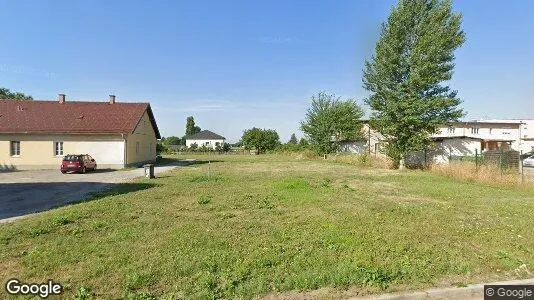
26, 192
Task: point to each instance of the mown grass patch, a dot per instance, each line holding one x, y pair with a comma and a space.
269, 225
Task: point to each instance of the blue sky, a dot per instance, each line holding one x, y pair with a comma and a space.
236, 64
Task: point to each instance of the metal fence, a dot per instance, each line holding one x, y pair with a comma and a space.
506, 160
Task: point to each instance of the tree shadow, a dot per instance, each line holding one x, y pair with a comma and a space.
183, 162
201, 162
18, 199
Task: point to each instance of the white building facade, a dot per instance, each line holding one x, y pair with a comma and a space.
205, 138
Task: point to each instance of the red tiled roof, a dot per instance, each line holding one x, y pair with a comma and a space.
37, 116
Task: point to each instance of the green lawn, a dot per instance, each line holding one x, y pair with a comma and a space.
273, 225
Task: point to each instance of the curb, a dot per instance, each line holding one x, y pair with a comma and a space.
475, 291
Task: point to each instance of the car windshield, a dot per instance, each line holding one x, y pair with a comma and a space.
71, 158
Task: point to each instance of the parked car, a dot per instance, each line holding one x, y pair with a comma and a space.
78, 163
529, 161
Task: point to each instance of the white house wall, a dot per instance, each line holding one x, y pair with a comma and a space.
357, 147
106, 153
37, 150
445, 149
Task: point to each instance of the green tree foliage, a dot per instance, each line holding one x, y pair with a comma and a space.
304, 144
330, 120
293, 139
190, 127
161, 147
226, 147
260, 139
6, 94
405, 76
173, 140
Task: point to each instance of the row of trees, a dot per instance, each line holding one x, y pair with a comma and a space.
405, 78
6, 94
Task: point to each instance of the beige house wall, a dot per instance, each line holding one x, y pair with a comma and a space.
37, 150
141, 144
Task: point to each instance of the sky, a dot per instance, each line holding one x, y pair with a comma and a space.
236, 64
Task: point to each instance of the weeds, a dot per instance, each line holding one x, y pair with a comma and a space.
486, 173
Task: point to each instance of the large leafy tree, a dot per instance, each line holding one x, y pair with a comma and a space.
413, 59
6, 94
330, 120
293, 139
260, 139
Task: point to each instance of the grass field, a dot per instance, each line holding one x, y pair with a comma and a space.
273, 226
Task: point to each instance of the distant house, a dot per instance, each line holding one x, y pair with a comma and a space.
353, 146
464, 138
205, 138
37, 134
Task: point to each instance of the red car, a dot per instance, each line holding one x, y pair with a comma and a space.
78, 163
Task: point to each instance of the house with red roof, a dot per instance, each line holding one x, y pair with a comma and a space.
36, 134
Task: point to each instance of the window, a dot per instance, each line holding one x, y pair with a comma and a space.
451, 129
137, 148
58, 148
15, 148
474, 130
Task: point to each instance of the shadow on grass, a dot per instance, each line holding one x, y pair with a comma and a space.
166, 161
201, 162
18, 199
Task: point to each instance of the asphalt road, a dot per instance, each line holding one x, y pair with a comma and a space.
28, 192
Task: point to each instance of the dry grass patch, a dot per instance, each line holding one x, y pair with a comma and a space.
488, 174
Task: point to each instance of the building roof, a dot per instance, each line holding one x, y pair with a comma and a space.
72, 117
440, 138
493, 122
205, 135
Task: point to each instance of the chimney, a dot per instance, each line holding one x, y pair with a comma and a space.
111, 99
61, 98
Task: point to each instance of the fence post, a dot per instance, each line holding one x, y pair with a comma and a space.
476, 160
521, 166
500, 162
